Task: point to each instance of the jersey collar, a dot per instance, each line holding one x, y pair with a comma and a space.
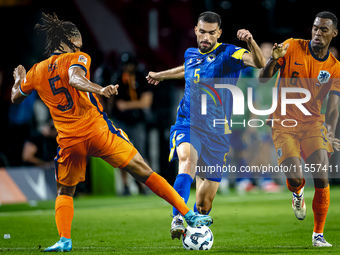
56, 53
215, 47
314, 56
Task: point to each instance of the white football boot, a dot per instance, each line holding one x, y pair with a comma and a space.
177, 227
319, 240
298, 205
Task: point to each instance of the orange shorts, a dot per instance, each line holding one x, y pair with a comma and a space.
300, 143
112, 145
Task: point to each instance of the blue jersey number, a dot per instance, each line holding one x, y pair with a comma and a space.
56, 91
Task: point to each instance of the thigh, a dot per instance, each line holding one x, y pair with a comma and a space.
138, 168
187, 157
213, 161
313, 140
70, 164
113, 146
287, 145
179, 135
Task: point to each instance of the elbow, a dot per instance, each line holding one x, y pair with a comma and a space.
262, 78
72, 82
262, 64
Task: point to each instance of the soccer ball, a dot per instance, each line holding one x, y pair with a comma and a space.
200, 238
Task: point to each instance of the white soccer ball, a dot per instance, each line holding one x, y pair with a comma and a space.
200, 238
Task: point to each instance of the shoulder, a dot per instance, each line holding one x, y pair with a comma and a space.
334, 64
232, 50
36, 67
190, 51
295, 44
79, 56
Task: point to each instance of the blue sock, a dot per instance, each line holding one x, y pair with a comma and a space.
182, 185
196, 210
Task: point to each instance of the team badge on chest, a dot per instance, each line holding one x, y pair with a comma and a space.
211, 57
323, 77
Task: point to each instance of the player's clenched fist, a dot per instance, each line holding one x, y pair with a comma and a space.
335, 142
153, 78
110, 90
19, 72
279, 51
244, 35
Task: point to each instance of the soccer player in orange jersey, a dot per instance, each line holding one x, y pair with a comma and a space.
307, 64
62, 82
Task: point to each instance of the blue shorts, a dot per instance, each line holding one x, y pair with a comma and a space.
212, 150
237, 140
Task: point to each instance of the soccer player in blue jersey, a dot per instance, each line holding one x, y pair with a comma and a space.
194, 139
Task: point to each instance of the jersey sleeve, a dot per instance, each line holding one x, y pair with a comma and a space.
282, 61
27, 85
82, 60
335, 87
235, 57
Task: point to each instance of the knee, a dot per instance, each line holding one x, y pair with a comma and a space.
296, 181
321, 183
66, 190
204, 207
138, 168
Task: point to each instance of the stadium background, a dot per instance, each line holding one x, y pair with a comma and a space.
156, 32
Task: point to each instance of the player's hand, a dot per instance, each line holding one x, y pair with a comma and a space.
279, 51
19, 73
110, 90
244, 35
153, 78
335, 142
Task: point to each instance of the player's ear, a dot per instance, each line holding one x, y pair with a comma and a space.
196, 30
219, 33
335, 32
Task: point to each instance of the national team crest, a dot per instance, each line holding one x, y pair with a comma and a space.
323, 77
211, 57
82, 59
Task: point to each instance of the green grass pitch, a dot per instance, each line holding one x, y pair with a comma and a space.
253, 224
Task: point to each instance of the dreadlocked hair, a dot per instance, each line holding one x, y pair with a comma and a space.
58, 32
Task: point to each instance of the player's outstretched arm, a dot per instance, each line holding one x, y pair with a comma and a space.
19, 75
256, 58
272, 66
174, 73
78, 80
332, 115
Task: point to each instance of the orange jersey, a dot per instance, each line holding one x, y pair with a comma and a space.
300, 68
77, 115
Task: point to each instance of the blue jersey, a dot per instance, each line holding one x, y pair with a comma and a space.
221, 65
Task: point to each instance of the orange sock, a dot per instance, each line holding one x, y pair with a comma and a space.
63, 215
164, 190
320, 208
296, 189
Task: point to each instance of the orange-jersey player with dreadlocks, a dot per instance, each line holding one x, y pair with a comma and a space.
62, 82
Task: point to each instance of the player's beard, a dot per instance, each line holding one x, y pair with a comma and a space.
204, 49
